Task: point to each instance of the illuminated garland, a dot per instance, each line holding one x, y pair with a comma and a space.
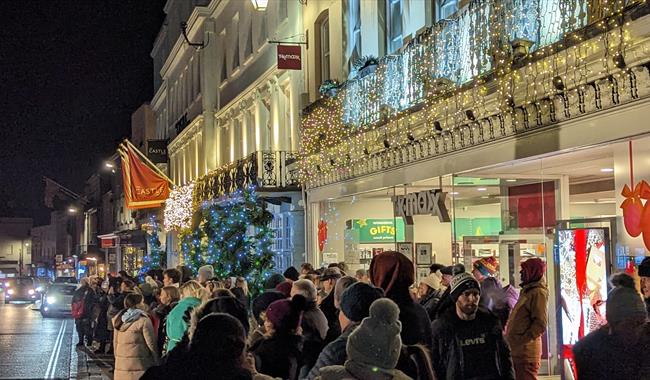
153, 259
179, 208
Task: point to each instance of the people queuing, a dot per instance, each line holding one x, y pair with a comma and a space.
456, 325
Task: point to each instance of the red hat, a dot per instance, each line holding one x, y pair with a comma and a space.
285, 288
532, 270
391, 271
286, 315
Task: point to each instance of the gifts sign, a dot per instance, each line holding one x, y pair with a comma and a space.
636, 208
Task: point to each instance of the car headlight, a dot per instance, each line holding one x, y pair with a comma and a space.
10, 291
30, 292
7, 284
51, 299
39, 289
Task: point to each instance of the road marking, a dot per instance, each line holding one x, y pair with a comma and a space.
54, 357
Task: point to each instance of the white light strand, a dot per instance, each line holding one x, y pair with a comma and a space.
179, 208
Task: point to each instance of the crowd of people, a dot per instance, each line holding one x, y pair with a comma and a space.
329, 323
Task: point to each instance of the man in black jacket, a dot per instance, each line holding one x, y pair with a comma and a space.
328, 280
468, 342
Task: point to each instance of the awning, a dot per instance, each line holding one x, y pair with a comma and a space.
132, 238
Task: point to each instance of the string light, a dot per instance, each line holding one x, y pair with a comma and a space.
179, 208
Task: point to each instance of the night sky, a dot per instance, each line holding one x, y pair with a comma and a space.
71, 74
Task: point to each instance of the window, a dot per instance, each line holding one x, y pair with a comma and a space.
354, 32
445, 9
324, 29
394, 25
282, 10
234, 32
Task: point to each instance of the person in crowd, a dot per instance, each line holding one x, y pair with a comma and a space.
117, 291
291, 274
355, 306
362, 276
169, 297
134, 338
343, 267
430, 292
644, 274
279, 354
100, 331
240, 291
484, 268
446, 302
147, 292
306, 268
619, 350
468, 342
435, 267
394, 273
373, 348
206, 273
186, 273
259, 306
342, 284
192, 294
528, 320
314, 324
217, 351
273, 281
228, 305
83, 301
285, 287
328, 282
172, 277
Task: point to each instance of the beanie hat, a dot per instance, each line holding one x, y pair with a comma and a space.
285, 314
261, 302
357, 299
292, 274
462, 282
273, 281
285, 287
624, 302
532, 270
376, 342
392, 271
433, 280
146, 289
207, 271
219, 336
331, 273
644, 267
488, 266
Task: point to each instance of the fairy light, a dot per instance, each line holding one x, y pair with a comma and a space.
179, 208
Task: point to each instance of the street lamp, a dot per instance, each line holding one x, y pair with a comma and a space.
109, 164
72, 210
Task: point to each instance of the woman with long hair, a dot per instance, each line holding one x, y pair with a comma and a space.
192, 294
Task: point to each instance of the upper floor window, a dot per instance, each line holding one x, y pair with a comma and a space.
354, 32
323, 49
445, 9
393, 25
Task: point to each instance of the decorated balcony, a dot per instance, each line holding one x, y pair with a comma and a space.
499, 67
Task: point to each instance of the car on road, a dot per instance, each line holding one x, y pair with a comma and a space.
20, 289
66, 280
57, 300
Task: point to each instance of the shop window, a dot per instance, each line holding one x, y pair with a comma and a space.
445, 9
393, 25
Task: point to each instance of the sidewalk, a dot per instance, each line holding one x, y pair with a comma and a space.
84, 365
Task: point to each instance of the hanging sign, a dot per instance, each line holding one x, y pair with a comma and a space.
157, 151
430, 202
143, 186
289, 57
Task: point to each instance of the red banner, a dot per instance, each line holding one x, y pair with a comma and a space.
143, 187
289, 57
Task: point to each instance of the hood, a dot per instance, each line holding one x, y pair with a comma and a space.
124, 319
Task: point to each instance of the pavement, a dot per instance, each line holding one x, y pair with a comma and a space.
33, 347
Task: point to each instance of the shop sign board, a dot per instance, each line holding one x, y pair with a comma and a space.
112, 258
157, 151
430, 202
330, 257
289, 57
379, 230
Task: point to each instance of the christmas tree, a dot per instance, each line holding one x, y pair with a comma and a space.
234, 237
154, 258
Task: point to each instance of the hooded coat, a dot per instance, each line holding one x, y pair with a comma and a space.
135, 344
179, 319
528, 321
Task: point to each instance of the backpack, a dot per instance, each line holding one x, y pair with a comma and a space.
78, 308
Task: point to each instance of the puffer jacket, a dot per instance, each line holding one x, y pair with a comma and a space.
135, 344
527, 322
179, 319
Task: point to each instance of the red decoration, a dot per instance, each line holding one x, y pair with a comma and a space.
636, 211
580, 244
322, 235
526, 203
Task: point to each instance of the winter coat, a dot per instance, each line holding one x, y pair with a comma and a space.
430, 302
90, 299
447, 355
116, 304
528, 321
353, 371
179, 319
279, 356
332, 314
161, 312
314, 331
101, 333
134, 344
334, 353
416, 325
445, 303
600, 355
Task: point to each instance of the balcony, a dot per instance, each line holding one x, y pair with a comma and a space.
266, 170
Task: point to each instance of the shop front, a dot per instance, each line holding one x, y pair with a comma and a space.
132, 248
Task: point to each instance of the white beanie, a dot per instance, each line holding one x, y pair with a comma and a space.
207, 270
433, 280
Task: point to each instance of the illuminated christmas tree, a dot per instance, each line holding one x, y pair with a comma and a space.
154, 257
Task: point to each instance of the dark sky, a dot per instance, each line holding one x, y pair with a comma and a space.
71, 74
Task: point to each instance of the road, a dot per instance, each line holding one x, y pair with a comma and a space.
33, 347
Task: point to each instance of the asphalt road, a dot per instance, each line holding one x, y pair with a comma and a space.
33, 347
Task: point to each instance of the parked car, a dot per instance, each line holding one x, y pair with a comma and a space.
20, 289
57, 299
66, 280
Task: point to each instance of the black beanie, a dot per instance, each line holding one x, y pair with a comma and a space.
356, 300
462, 282
644, 267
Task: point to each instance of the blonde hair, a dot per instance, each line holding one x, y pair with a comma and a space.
192, 288
240, 282
172, 292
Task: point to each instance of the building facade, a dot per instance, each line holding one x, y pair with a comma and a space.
231, 117
474, 129
15, 247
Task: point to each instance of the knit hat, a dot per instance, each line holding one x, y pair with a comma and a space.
146, 289
356, 300
462, 282
285, 287
285, 314
292, 274
644, 267
532, 270
220, 337
331, 273
273, 281
433, 280
488, 266
391, 271
261, 302
207, 271
453, 270
376, 342
624, 302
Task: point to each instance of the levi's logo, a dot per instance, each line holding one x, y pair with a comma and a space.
472, 341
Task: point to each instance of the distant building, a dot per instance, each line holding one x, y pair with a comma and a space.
15, 246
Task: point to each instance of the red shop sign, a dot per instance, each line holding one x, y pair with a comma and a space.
289, 57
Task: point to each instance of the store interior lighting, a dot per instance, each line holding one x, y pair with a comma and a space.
481, 189
607, 170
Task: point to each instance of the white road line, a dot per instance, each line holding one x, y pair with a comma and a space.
58, 351
57, 344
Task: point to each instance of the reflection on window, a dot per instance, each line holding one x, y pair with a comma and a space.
445, 9
325, 48
394, 25
354, 32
